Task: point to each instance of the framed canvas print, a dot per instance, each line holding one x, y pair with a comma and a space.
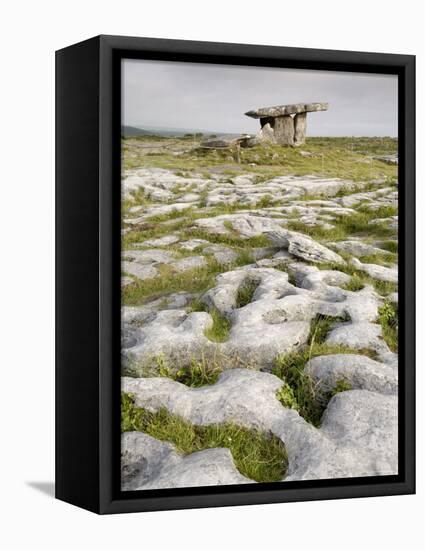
235, 274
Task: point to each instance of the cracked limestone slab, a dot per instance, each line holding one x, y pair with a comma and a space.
223, 254
359, 371
359, 430
362, 335
160, 210
175, 334
245, 225
379, 272
303, 247
340, 448
167, 240
358, 248
147, 463
191, 262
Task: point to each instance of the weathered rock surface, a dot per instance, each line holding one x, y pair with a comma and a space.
379, 272
147, 463
358, 248
359, 371
282, 110
286, 291
303, 247
246, 225
248, 399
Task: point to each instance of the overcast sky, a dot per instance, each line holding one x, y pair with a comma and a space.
215, 97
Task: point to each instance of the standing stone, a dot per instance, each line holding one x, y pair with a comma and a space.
284, 130
300, 127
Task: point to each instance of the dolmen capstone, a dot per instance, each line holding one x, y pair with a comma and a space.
285, 124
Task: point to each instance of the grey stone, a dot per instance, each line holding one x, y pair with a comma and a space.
125, 281
191, 262
358, 248
303, 247
359, 371
161, 241
379, 272
359, 335
192, 244
173, 334
222, 254
283, 130
300, 128
141, 271
150, 464
358, 436
282, 110
246, 225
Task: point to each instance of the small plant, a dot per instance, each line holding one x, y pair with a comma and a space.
219, 331
384, 287
198, 373
246, 292
265, 201
390, 246
354, 284
228, 225
162, 367
340, 386
321, 326
290, 368
286, 396
388, 319
131, 417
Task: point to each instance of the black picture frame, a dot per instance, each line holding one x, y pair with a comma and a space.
88, 273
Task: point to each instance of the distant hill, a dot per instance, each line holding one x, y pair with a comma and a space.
133, 131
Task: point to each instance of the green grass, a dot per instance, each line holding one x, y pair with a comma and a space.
388, 319
219, 331
199, 372
347, 158
321, 325
340, 386
385, 259
246, 292
169, 281
305, 394
231, 239
384, 288
390, 246
344, 227
257, 455
301, 392
355, 283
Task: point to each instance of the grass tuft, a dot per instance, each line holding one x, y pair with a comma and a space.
354, 284
219, 331
258, 455
388, 319
246, 292
301, 392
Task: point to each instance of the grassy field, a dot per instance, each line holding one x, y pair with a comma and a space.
346, 158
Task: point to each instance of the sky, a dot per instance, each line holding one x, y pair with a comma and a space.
215, 97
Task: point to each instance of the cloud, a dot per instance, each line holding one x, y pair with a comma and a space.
215, 97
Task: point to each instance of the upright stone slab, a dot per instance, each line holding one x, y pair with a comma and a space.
285, 124
284, 130
300, 128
